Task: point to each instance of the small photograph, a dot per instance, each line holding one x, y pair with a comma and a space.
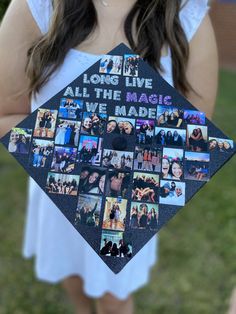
117, 159
172, 193
67, 132
197, 166
111, 64
114, 214
117, 183
131, 65
147, 159
144, 131
19, 141
41, 152
197, 137
143, 216
172, 137
58, 183
45, 123
92, 180
172, 164
194, 117
220, 145
88, 210
145, 187
64, 159
90, 150
120, 125
70, 108
169, 116
113, 243
93, 123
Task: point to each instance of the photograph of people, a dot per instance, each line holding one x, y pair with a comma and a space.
19, 141
62, 184
130, 67
117, 183
41, 153
147, 159
194, 117
90, 150
144, 216
64, 159
197, 166
144, 131
111, 64
169, 116
93, 123
172, 163
172, 193
92, 180
67, 132
114, 244
145, 187
118, 125
197, 137
70, 109
88, 210
117, 159
170, 137
45, 123
114, 214
220, 145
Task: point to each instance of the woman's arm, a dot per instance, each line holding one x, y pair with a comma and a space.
202, 70
17, 32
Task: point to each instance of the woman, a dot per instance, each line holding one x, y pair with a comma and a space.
153, 219
189, 29
161, 138
86, 126
177, 139
176, 170
134, 217
165, 168
112, 127
169, 138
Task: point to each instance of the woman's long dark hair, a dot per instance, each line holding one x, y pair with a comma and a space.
156, 23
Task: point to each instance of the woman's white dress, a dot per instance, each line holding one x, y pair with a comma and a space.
59, 249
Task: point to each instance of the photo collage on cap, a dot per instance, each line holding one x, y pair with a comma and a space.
119, 168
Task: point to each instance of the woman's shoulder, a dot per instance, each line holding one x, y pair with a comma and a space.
191, 15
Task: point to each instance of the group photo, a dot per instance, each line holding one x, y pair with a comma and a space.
197, 138
117, 184
144, 131
144, 216
115, 214
64, 159
117, 159
172, 193
88, 210
131, 63
172, 137
172, 163
93, 123
113, 243
120, 125
58, 183
145, 187
19, 141
147, 159
45, 123
111, 64
169, 116
70, 109
197, 166
41, 153
90, 150
92, 180
220, 145
67, 132
194, 117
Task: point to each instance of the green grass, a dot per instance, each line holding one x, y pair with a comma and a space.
196, 271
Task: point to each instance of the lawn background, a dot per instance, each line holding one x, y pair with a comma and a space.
196, 271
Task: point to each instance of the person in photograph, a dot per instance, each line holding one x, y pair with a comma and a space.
213, 145
114, 250
44, 57
101, 185
127, 128
134, 217
112, 127
128, 163
112, 215
143, 219
140, 160
145, 159
153, 219
177, 139
196, 140
163, 119
176, 170
149, 134
86, 126
124, 249
118, 183
87, 215
161, 138
169, 138
165, 190
142, 132
106, 250
155, 160
227, 146
145, 188
18, 143
91, 183
49, 119
117, 215
165, 168
201, 172
61, 133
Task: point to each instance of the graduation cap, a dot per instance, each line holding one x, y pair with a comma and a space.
120, 152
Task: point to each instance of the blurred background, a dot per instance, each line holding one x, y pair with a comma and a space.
196, 271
